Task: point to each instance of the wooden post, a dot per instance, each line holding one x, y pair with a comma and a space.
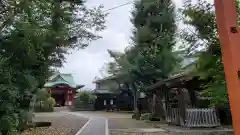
167, 103
190, 86
70, 97
160, 111
73, 96
66, 98
154, 96
228, 29
181, 106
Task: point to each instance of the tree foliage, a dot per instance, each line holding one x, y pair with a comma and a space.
43, 101
84, 100
154, 39
150, 57
35, 35
203, 42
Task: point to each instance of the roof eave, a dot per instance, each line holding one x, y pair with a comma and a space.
162, 82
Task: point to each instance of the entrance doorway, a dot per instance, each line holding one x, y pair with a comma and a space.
59, 98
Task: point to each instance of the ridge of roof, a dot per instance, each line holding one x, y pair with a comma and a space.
66, 78
104, 79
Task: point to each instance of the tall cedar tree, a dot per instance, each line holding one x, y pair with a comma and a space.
154, 39
151, 55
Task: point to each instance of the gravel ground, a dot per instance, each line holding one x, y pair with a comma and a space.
127, 123
62, 124
139, 133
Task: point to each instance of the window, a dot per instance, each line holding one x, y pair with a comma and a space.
97, 85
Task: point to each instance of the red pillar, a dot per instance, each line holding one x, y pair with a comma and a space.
66, 97
70, 97
229, 35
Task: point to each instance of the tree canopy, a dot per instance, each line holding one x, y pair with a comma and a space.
203, 42
151, 56
35, 35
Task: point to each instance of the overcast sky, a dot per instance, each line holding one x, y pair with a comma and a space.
85, 64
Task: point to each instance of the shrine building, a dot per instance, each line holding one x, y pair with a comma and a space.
63, 88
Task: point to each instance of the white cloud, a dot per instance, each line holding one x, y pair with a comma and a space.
85, 64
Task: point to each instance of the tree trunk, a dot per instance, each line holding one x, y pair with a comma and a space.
136, 111
160, 112
154, 98
157, 110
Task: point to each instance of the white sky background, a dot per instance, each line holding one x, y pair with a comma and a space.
85, 64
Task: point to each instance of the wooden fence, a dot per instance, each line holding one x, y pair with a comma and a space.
172, 116
204, 117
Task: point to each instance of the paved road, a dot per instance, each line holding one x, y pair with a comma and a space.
105, 123
96, 125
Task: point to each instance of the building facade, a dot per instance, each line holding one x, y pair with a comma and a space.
111, 96
62, 88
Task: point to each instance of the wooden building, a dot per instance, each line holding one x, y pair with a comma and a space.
110, 95
62, 88
177, 100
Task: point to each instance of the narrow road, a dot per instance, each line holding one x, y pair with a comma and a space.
95, 125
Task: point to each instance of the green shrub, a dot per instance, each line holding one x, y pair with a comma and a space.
44, 102
50, 102
146, 116
84, 101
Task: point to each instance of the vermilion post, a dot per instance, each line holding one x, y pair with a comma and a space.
229, 35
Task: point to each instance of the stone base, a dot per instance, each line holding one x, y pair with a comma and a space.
138, 131
161, 131
176, 130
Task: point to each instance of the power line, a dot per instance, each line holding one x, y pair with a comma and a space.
130, 2
116, 7
110, 9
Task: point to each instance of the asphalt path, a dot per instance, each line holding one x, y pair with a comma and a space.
95, 126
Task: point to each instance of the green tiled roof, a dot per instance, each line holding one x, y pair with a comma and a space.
61, 79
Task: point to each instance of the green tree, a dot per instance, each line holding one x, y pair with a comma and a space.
9, 101
35, 35
42, 94
123, 70
44, 101
84, 100
154, 39
151, 56
204, 43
